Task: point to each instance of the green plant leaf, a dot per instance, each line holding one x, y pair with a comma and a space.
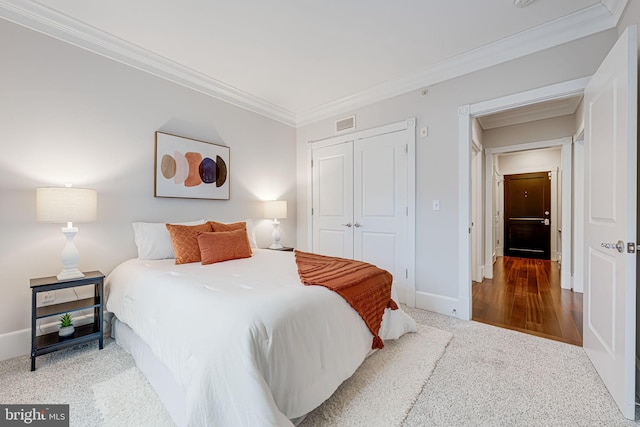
65, 320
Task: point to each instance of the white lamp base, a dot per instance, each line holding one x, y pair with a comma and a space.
275, 236
70, 257
70, 274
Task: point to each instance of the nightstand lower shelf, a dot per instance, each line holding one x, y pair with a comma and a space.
52, 342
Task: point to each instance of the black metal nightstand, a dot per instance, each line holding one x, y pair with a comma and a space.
48, 343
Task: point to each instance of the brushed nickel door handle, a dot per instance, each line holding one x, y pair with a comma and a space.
619, 246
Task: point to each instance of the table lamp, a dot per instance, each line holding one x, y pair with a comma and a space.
275, 209
67, 204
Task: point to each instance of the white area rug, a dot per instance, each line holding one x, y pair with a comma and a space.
128, 400
381, 392
384, 389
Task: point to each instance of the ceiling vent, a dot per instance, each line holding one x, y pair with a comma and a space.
348, 123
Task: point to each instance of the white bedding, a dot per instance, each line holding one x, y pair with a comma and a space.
247, 342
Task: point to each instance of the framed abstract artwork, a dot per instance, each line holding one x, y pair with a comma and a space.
190, 169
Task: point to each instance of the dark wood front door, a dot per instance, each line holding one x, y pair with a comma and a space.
527, 215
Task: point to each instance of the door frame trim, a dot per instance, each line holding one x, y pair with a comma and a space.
409, 295
465, 114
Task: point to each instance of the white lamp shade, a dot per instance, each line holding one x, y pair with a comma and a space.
275, 209
66, 204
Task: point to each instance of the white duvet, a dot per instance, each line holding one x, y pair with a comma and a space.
247, 342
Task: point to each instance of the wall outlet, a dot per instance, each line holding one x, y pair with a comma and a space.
436, 205
48, 297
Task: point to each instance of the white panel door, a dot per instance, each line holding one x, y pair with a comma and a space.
610, 207
380, 203
333, 200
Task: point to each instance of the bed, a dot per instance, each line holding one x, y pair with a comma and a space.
241, 342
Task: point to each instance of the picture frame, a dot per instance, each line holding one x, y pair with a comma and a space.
190, 169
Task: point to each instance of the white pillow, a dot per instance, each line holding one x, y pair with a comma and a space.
251, 232
153, 239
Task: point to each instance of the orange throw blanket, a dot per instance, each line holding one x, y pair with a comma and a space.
365, 287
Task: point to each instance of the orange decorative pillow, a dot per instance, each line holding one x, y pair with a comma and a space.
223, 246
184, 239
220, 226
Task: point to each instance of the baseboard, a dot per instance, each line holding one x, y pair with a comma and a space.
18, 343
14, 344
437, 303
488, 271
566, 281
405, 296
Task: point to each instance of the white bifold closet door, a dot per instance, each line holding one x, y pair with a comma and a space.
360, 196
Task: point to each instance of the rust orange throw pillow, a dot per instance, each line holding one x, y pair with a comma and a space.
184, 239
220, 226
223, 246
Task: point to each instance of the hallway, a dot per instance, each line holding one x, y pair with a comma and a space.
525, 295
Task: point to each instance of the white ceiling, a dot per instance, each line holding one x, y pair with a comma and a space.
300, 60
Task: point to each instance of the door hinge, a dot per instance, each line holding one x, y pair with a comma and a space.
407, 211
311, 211
406, 148
631, 248
406, 273
311, 163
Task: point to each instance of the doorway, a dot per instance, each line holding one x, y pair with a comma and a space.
522, 289
465, 115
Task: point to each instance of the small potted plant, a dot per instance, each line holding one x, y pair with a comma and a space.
66, 325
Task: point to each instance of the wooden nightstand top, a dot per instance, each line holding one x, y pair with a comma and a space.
89, 276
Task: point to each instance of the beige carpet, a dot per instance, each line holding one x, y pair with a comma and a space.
128, 400
487, 376
381, 392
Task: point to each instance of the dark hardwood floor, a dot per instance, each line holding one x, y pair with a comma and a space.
525, 295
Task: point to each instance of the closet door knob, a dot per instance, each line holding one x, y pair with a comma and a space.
357, 225
348, 225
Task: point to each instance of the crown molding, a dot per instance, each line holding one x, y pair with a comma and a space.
584, 23
615, 7
45, 20
62, 27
